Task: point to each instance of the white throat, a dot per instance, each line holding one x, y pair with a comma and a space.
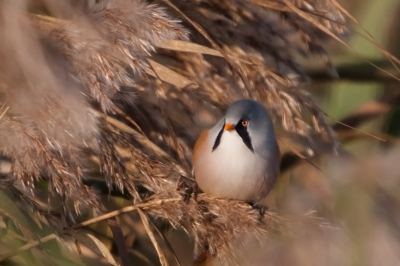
232, 170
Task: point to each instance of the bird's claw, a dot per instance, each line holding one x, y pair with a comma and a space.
261, 210
189, 188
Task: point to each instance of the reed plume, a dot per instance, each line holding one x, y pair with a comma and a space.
101, 98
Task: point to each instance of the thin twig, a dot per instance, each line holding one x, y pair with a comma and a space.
327, 31
4, 112
356, 129
28, 247
371, 39
292, 149
301, 156
121, 211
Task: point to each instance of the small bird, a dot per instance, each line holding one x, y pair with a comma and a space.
239, 157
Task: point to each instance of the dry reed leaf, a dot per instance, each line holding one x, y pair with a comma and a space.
189, 47
119, 240
166, 243
28, 247
271, 5
146, 223
164, 73
9, 208
95, 245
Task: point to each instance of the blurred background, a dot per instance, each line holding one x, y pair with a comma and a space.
360, 82
354, 189
336, 106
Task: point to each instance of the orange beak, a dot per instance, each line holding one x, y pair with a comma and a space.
229, 127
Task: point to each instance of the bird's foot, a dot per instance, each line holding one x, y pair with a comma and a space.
189, 189
188, 192
261, 210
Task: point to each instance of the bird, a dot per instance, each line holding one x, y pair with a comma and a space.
239, 157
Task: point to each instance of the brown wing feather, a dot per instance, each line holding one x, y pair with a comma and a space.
201, 141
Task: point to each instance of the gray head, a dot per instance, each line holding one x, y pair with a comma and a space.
252, 122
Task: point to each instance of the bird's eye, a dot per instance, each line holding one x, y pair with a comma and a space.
244, 123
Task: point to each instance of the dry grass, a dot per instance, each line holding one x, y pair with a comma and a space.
92, 113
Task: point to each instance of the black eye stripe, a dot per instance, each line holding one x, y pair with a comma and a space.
218, 139
244, 134
241, 130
